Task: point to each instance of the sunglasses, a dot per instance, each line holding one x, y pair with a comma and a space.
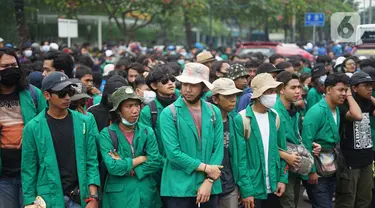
165, 80
62, 93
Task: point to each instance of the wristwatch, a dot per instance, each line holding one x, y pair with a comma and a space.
92, 197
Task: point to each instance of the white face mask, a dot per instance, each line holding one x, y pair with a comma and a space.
45, 48
148, 96
268, 100
27, 53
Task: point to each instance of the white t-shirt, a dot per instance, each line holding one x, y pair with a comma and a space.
335, 116
264, 127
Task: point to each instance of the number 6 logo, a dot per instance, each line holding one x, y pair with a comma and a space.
343, 26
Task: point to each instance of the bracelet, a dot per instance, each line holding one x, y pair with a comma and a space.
210, 180
205, 166
93, 197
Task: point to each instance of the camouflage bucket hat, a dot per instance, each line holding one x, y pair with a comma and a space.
121, 94
236, 71
195, 73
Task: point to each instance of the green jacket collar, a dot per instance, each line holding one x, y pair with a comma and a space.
328, 113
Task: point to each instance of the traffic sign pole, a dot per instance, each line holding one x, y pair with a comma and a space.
314, 34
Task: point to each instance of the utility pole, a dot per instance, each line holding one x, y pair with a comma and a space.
370, 13
364, 12
211, 39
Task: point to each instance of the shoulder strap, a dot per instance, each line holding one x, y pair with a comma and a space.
277, 119
33, 95
154, 113
114, 138
213, 115
246, 124
173, 110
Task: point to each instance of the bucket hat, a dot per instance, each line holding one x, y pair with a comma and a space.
195, 73
237, 70
121, 94
224, 86
261, 83
204, 57
81, 90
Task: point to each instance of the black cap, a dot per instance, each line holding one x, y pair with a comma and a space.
56, 81
318, 71
268, 68
370, 71
360, 77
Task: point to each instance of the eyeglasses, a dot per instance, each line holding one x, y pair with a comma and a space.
62, 93
166, 79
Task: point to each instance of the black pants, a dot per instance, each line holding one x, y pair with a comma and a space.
272, 201
189, 202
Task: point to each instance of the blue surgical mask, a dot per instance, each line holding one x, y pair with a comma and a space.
127, 123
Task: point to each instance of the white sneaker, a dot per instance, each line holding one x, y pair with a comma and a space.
305, 196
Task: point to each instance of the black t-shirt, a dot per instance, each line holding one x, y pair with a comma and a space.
356, 141
11, 126
63, 140
227, 180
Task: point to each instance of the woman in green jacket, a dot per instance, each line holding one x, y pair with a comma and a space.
130, 163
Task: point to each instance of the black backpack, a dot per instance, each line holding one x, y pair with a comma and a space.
154, 113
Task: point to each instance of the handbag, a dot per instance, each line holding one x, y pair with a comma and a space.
326, 162
307, 160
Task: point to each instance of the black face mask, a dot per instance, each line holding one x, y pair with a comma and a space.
10, 76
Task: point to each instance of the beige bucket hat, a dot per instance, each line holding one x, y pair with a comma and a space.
224, 86
263, 82
195, 73
204, 57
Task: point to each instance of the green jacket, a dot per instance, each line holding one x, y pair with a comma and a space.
28, 108
185, 151
40, 172
256, 181
320, 127
313, 97
121, 189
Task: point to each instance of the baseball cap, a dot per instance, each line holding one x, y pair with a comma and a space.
360, 77
56, 81
261, 83
108, 68
108, 53
318, 71
81, 90
268, 68
224, 86
370, 71
121, 94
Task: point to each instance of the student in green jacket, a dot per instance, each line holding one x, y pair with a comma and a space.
19, 103
239, 74
59, 157
321, 125
315, 93
192, 136
130, 165
290, 119
267, 173
224, 96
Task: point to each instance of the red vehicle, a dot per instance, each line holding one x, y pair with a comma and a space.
270, 48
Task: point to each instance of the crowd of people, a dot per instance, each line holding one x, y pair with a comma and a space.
123, 127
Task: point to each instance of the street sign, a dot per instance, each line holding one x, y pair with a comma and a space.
314, 19
68, 28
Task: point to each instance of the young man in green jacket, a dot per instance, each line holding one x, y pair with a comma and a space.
59, 157
130, 165
321, 125
315, 94
192, 136
290, 119
224, 96
19, 103
267, 173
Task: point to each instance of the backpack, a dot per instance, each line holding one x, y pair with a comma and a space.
154, 113
213, 116
33, 94
246, 123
